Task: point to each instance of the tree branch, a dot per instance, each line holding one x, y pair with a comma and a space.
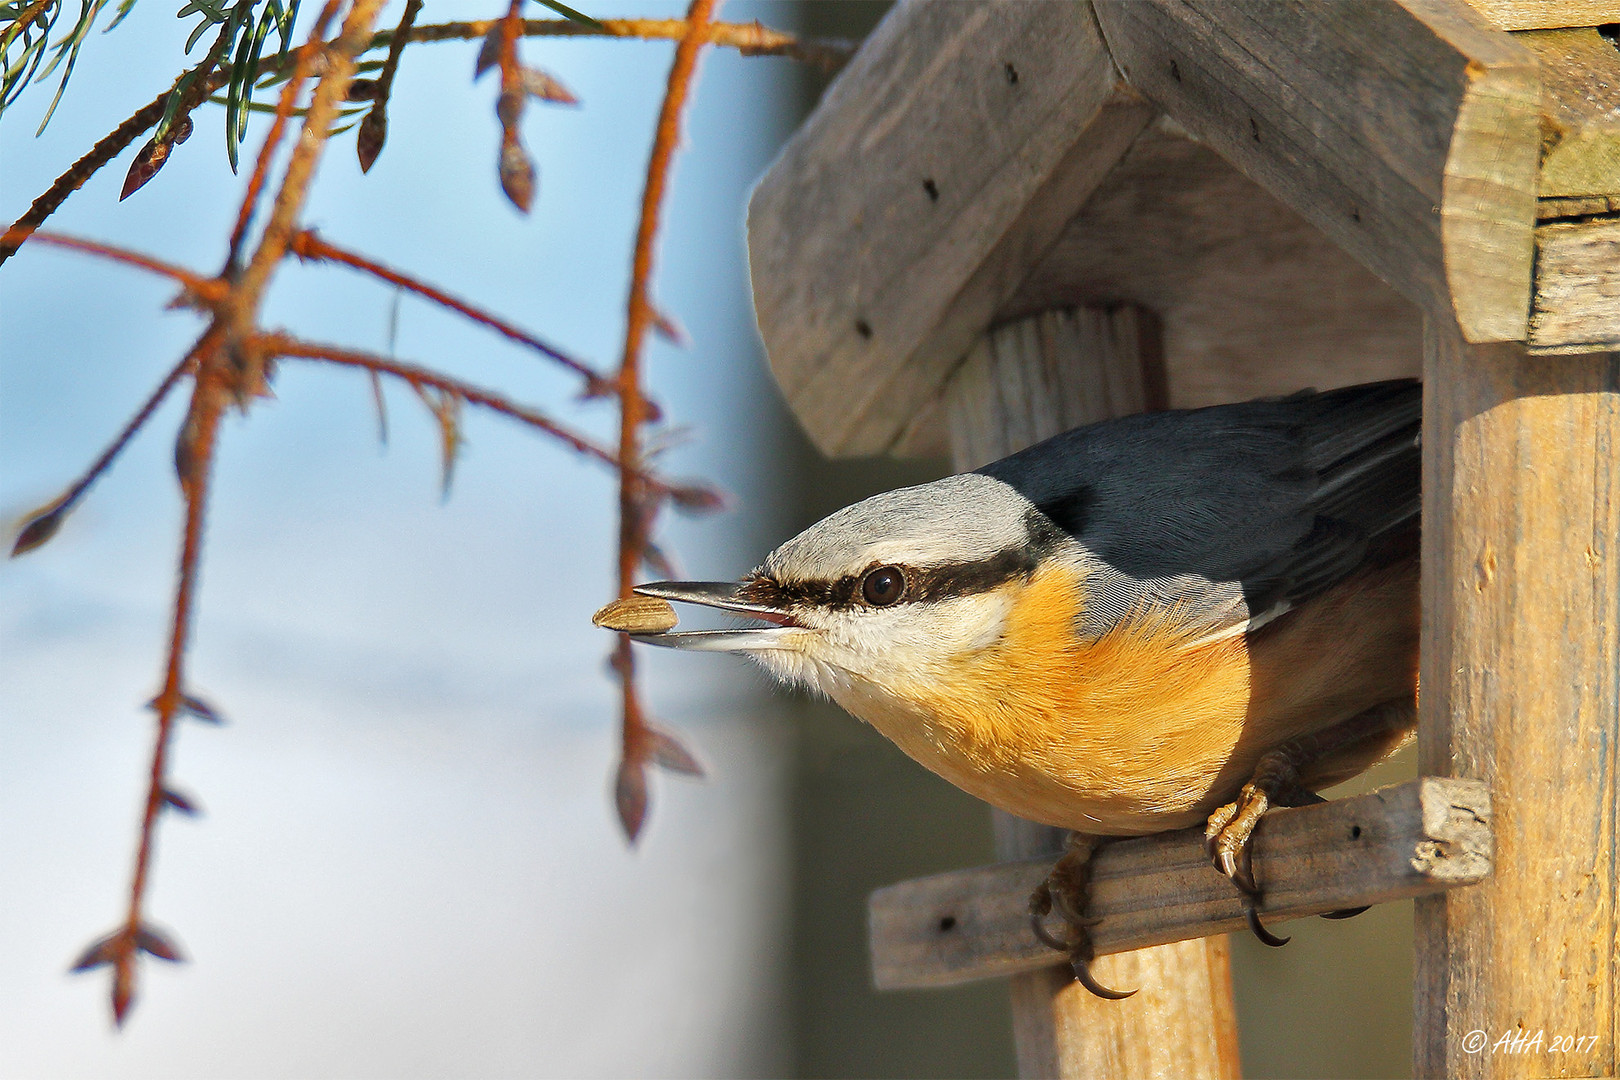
636, 511
105, 150
750, 39
311, 246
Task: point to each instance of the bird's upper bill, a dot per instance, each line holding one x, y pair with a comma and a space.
727, 596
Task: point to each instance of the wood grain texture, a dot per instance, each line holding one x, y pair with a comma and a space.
1542, 14
1577, 302
1406, 132
1255, 300
1521, 689
1030, 379
1583, 206
1119, 122
941, 162
1024, 382
1412, 839
1179, 1026
1580, 112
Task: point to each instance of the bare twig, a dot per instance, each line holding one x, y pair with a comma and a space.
515, 168
225, 365
750, 39
123, 948
374, 128
43, 524
285, 345
207, 290
303, 60
329, 92
635, 508
309, 245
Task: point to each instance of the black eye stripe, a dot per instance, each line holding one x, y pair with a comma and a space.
932, 583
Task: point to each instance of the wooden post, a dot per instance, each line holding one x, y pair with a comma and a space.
1521, 689
1024, 382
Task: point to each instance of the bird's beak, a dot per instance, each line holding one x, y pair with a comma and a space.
727, 596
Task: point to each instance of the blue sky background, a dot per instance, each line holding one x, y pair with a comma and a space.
408, 863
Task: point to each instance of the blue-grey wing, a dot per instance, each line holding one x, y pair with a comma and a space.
1238, 512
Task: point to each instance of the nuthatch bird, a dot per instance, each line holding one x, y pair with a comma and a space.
1137, 625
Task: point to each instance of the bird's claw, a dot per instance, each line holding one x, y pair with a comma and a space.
1080, 960
1230, 832
1228, 838
1252, 916
1067, 888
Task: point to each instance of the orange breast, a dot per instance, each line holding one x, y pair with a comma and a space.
1139, 731
1120, 735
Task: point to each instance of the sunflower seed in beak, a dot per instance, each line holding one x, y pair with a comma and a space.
637, 615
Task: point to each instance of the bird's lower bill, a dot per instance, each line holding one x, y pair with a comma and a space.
725, 596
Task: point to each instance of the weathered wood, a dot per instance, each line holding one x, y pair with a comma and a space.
938, 166
1255, 300
1542, 14
1577, 302
1583, 206
1580, 110
1033, 378
1521, 689
1412, 839
1180, 1025
1024, 382
1406, 132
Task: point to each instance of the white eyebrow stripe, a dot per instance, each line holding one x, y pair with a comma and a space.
964, 518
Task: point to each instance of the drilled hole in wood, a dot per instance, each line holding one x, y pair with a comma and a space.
1012, 74
863, 328
1355, 832
1254, 129
1175, 72
932, 189
947, 924
1355, 213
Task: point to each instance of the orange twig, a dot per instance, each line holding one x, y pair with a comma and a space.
69, 498
223, 365
635, 509
309, 245
515, 168
304, 58
289, 202
285, 345
209, 290
374, 128
750, 39
201, 427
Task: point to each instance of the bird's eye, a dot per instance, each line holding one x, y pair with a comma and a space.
883, 586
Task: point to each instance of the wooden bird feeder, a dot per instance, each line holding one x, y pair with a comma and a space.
1008, 219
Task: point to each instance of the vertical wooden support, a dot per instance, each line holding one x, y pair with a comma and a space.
1518, 976
1022, 383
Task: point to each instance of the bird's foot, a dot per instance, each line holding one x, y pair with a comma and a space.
1067, 889
1284, 776
1229, 838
